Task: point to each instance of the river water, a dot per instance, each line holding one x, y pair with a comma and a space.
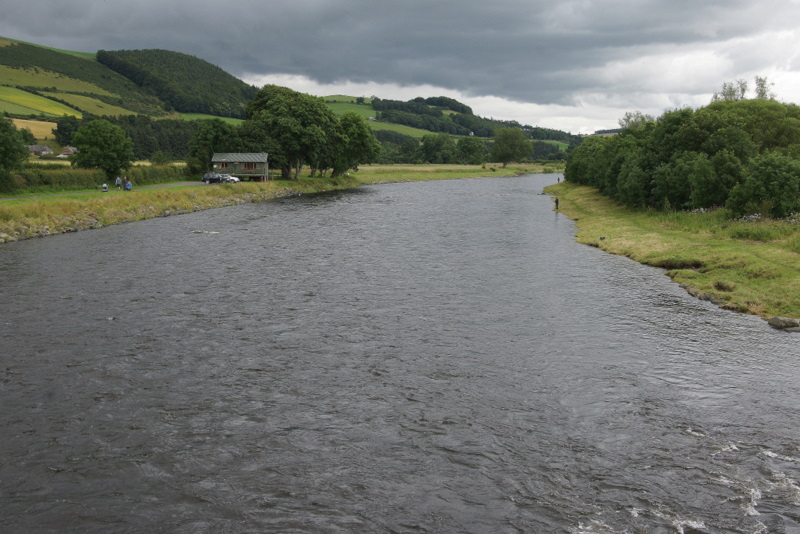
429, 357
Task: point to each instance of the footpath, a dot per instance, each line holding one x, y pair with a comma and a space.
111, 189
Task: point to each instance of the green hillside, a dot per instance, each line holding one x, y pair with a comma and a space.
36, 69
129, 86
36, 80
185, 83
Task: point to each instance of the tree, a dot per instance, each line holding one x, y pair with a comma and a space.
471, 150
771, 188
102, 145
214, 135
738, 90
635, 121
358, 144
66, 126
764, 88
301, 124
13, 153
437, 148
510, 145
731, 91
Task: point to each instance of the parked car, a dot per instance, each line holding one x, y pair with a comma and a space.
217, 178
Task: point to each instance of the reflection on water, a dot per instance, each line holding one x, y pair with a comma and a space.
436, 357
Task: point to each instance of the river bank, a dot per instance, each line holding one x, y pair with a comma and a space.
748, 266
44, 215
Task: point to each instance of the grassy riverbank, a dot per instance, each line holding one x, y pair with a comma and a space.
22, 218
746, 266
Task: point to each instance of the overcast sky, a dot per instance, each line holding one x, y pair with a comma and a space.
574, 65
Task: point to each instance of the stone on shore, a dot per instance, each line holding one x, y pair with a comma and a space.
785, 323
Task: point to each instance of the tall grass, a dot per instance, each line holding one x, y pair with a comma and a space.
746, 266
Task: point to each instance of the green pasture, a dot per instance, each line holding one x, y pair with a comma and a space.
203, 117
36, 77
12, 96
90, 105
560, 144
341, 107
16, 109
5, 41
400, 128
345, 98
745, 266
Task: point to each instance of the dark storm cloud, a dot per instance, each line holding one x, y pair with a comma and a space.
526, 51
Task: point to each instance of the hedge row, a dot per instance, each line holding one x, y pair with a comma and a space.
69, 179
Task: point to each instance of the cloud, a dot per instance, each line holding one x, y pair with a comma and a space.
584, 62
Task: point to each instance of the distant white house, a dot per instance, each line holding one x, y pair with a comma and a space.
40, 150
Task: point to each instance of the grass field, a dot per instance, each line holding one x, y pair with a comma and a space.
40, 129
345, 98
202, 116
4, 41
41, 104
560, 144
363, 110
90, 105
745, 266
399, 128
36, 77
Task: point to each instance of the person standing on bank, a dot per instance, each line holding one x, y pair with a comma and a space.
119, 183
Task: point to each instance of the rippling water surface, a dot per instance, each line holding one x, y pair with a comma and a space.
431, 357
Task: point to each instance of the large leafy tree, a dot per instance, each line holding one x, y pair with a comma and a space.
102, 145
13, 153
771, 188
214, 135
438, 148
301, 124
356, 145
471, 150
510, 145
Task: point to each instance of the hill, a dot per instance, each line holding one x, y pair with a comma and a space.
38, 82
41, 81
420, 116
81, 84
183, 82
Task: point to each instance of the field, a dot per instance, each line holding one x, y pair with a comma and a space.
4, 41
745, 266
90, 105
11, 97
40, 129
345, 98
560, 144
399, 128
202, 116
35, 77
340, 107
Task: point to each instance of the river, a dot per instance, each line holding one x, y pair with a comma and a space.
428, 357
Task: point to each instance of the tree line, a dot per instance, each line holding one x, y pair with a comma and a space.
160, 138
742, 154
